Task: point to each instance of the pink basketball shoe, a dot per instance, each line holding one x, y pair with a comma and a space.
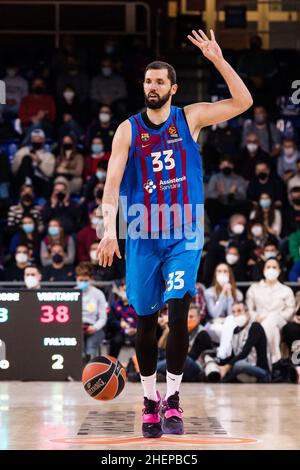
151, 419
172, 415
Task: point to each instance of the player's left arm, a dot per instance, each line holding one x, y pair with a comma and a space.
206, 114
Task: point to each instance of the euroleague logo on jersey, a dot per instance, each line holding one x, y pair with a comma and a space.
173, 132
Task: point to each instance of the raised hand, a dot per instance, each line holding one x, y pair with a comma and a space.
209, 47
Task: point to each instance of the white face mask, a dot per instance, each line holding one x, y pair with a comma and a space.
96, 220
222, 278
69, 95
241, 320
21, 258
271, 274
238, 229
252, 148
270, 254
256, 231
31, 282
104, 117
93, 255
231, 259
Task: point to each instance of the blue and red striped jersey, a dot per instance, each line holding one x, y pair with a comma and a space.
162, 183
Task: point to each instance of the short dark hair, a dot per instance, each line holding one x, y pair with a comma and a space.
158, 65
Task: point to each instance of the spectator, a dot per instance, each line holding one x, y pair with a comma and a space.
94, 314
274, 313
267, 133
287, 161
234, 233
233, 259
25, 207
69, 164
199, 341
220, 140
270, 250
32, 277
5, 179
249, 155
37, 110
70, 109
35, 164
266, 214
291, 331
97, 155
72, 75
121, 323
292, 214
226, 193
14, 270
265, 182
111, 273
109, 88
27, 235
295, 180
93, 189
60, 207
58, 271
103, 126
16, 88
55, 235
257, 238
88, 234
219, 299
248, 356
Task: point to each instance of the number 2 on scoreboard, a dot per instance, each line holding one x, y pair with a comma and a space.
58, 361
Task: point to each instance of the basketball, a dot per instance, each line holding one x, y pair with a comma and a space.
104, 378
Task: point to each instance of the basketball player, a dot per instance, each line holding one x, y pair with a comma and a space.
155, 164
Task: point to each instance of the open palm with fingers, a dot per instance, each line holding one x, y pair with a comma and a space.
209, 47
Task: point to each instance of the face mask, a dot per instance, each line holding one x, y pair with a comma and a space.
97, 148
83, 285
67, 146
104, 117
288, 151
222, 278
28, 228
231, 259
95, 220
227, 170
271, 274
26, 198
270, 254
252, 148
241, 320
106, 71
93, 255
256, 231
57, 258
69, 95
53, 231
109, 49
39, 90
192, 324
265, 203
296, 201
238, 229
101, 175
262, 175
31, 282
222, 125
21, 258
61, 196
36, 145
259, 119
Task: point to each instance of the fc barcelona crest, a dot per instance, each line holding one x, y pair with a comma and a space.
145, 137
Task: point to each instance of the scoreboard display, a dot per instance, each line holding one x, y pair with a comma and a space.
40, 335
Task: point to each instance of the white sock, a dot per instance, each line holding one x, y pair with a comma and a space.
149, 386
173, 384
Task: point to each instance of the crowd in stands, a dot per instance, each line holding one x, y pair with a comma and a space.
56, 132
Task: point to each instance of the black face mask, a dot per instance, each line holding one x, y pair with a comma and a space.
61, 196
99, 193
262, 175
227, 170
57, 258
36, 145
67, 146
39, 90
26, 199
296, 201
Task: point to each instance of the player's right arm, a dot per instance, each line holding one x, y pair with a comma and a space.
108, 246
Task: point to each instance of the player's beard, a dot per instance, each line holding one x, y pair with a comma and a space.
158, 102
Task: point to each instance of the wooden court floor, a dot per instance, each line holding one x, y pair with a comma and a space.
60, 415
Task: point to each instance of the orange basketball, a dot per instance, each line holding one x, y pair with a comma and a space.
104, 378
